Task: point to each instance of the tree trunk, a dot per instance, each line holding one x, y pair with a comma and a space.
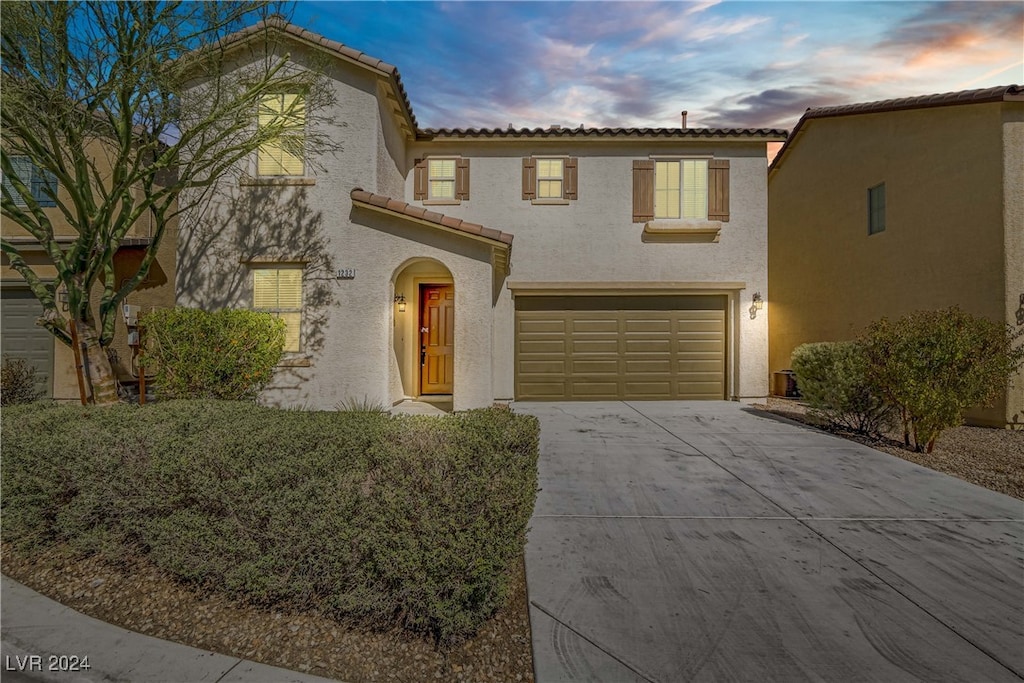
98, 373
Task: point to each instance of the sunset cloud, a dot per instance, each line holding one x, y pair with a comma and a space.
638, 64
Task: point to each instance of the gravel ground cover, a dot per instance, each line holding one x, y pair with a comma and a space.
992, 458
140, 597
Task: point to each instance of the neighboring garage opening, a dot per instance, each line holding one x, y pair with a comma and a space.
650, 347
22, 338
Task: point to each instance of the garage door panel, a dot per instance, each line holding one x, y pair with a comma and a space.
596, 367
592, 325
627, 347
599, 346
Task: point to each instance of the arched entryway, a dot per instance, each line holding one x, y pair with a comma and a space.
424, 329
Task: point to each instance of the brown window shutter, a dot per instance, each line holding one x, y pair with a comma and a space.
462, 179
718, 190
529, 178
643, 190
419, 180
570, 189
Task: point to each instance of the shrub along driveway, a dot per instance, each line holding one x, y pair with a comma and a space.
708, 541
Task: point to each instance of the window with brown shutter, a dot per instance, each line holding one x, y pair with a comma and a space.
643, 190
529, 178
550, 180
718, 190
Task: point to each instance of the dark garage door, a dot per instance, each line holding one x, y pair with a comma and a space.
20, 337
620, 347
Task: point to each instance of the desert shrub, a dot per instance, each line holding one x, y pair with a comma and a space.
833, 380
391, 520
18, 382
932, 365
227, 354
362, 405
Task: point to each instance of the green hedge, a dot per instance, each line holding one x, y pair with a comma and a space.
833, 380
228, 354
409, 520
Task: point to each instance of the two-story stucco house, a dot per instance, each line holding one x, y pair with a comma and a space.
884, 208
497, 264
22, 336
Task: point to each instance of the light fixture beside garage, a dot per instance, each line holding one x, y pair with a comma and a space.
400, 300
756, 304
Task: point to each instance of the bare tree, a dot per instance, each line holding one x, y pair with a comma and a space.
135, 109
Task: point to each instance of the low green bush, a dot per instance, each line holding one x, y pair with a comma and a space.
18, 382
833, 380
933, 365
228, 354
404, 520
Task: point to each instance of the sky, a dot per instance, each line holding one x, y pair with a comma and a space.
729, 64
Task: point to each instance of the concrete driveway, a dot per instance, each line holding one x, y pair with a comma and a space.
697, 541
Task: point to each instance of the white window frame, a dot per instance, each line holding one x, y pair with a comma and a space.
278, 311
550, 178
298, 134
431, 178
670, 203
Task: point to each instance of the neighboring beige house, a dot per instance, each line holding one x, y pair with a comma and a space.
19, 309
884, 208
483, 265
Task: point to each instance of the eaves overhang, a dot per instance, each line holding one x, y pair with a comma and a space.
500, 242
603, 134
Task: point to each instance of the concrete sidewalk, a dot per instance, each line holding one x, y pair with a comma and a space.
34, 626
708, 542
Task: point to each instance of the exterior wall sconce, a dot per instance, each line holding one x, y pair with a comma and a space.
400, 300
756, 304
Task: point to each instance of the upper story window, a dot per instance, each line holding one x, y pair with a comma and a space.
441, 179
680, 189
279, 291
40, 182
876, 209
285, 154
550, 179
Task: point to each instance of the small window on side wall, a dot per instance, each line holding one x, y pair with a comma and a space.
876, 209
550, 179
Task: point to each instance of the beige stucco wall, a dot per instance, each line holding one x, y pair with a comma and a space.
946, 225
157, 291
1013, 236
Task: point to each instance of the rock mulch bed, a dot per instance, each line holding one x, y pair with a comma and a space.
992, 458
140, 597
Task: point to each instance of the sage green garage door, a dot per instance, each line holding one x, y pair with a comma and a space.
620, 347
20, 337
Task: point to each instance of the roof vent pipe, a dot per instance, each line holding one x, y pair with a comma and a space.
683, 117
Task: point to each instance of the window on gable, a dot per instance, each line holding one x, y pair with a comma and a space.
689, 189
284, 154
441, 179
279, 291
40, 182
876, 209
550, 178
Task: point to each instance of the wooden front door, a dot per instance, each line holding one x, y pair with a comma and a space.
437, 339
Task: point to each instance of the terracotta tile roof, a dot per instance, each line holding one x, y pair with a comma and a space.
996, 94
985, 95
583, 132
279, 24
406, 210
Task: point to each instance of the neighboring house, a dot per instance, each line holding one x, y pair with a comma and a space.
19, 309
636, 256
884, 208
